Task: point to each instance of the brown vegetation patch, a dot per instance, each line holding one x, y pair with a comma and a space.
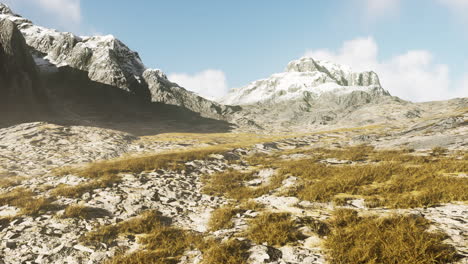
27, 201
9, 181
84, 212
398, 180
395, 239
172, 160
145, 223
275, 229
231, 184
232, 251
221, 218
76, 191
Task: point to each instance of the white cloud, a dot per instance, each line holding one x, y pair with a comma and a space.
360, 53
210, 84
463, 86
459, 7
379, 8
67, 13
411, 76
65, 9
455, 4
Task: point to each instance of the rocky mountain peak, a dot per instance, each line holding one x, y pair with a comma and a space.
4, 9
342, 74
306, 78
105, 60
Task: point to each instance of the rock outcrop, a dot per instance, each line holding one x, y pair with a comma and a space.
21, 92
164, 91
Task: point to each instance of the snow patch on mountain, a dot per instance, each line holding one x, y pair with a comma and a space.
305, 77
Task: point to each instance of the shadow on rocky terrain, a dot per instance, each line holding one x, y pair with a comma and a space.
74, 99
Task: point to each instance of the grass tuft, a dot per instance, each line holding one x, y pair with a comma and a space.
398, 180
386, 240
275, 229
145, 223
231, 184
221, 218
232, 251
76, 191
84, 212
9, 181
318, 227
172, 161
27, 201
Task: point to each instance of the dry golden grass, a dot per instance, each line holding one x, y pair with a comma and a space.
27, 201
385, 240
221, 218
251, 205
398, 180
173, 160
83, 212
76, 191
14, 196
318, 227
275, 229
213, 138
228, 183
161, 242
353, 153
169, 241
143, 257
232, 251
260, 159
438, 151
168, 244
231, 184
145, 223
9, 181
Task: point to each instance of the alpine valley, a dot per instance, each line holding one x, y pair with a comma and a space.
103, 160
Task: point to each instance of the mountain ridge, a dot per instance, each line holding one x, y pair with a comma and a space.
109, 79
109, 61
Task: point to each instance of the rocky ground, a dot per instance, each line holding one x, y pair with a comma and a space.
32, 152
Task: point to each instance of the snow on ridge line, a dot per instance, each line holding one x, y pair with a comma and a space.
305, 77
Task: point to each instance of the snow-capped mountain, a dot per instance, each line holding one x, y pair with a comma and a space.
106, 60
309, 78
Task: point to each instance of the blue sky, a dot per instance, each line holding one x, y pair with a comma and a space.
419, 48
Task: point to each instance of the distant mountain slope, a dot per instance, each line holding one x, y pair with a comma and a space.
311, 93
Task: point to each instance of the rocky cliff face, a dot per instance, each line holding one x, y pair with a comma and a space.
108, 61
21, 92
165, 91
